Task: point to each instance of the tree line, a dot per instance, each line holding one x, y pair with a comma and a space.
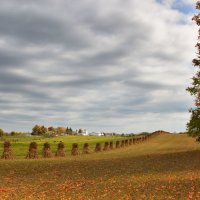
41, 130
12, 133
54, 131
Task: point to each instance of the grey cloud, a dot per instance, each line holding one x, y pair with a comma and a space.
13, 84
9, 78
147, 85
17, 117
32, 95
10, 59
34, 28
105, 58
85, 62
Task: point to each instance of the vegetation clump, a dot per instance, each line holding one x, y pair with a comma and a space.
134, 140
98, 147
1, 132
117, 145
7, 152
75, 150
32, 153
122, 143
106, 146
111, 145
138, 140
130, 141
86, 148
60, 150
46, 153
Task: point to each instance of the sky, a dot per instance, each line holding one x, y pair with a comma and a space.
117, 65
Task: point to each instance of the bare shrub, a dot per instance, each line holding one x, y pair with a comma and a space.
7, 152
60, 150
46, 152
75, 150
32, 153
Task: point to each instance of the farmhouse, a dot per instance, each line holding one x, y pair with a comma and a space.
83, 132
96, 134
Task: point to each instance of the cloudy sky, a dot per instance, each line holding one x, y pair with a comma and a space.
117, 65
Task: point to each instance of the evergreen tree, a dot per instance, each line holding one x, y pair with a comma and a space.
193, 126
1, 132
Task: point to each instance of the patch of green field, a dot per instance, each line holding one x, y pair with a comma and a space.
20, 145
164, 167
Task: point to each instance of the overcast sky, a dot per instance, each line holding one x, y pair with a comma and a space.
103, 65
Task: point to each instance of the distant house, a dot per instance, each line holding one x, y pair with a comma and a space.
83, 132
96, 134
108, 134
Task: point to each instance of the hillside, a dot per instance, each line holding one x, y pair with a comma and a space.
165, 167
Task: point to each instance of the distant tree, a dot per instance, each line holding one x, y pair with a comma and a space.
43, 130
35, 130
51, 129
61, 130
80, 131
69, 131
1, 132
13, 133
193, 126
39, 130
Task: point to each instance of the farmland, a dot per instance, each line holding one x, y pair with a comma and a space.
20, 144
164, 167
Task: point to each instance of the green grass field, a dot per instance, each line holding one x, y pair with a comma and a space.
20, 145
164, 167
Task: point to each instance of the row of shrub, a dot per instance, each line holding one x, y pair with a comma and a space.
47, 153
